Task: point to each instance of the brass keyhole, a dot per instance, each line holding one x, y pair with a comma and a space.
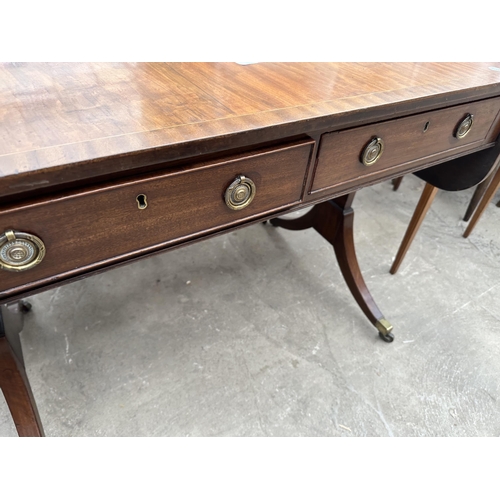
142, 201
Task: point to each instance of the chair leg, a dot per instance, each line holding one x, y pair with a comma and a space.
487, 197
396, 183
476, 197
423, 206
13, 380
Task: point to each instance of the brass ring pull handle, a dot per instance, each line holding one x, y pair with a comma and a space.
464, 126
20, 251
372, 152
240, 193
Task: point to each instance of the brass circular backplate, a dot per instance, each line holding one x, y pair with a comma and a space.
240, 193
20, 251
372, 152
464, 126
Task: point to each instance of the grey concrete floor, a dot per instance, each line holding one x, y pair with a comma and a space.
255, 334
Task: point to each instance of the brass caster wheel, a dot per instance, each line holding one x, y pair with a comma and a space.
25, 307
386, 337
384, 330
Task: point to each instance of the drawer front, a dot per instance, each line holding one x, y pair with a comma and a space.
407, 142
88, 229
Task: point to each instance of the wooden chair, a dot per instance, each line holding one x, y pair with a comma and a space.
485, 174
482, 196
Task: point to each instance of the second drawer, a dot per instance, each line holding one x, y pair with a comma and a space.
407, 142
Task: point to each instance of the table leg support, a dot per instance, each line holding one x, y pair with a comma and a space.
13, 380
334, 219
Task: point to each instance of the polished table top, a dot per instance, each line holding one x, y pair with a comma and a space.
61, 122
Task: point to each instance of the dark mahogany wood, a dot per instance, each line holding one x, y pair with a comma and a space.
426, 199
102, 225
462, 173
334, 221
72, 122
476, 197
487, 197
14, 382
305, 221
410, 141
80, 141
455, 175
396, 183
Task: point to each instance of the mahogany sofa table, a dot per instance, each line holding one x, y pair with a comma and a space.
102, 164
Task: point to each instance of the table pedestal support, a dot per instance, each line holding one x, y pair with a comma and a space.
334, 219
13, 380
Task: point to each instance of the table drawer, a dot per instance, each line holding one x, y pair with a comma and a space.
407, 142
91, 228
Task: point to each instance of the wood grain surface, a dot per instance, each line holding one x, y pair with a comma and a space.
80, 143
410, 141
90, 228
62, 123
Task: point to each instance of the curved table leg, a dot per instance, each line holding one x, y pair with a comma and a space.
306, 221
334, 221
13, 380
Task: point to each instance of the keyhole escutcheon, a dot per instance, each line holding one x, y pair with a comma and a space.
142, 202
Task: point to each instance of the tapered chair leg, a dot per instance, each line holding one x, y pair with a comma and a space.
13, 380
476, 197
423, 206
487, 197
396, 183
